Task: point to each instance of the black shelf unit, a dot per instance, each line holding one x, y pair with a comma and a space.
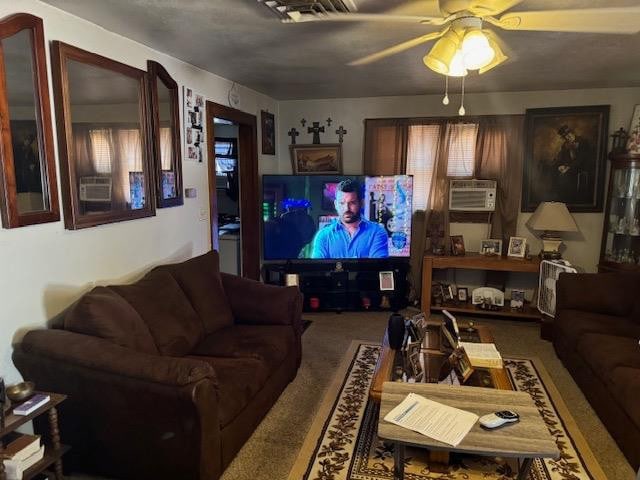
344, 285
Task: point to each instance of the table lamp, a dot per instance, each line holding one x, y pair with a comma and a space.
552, 218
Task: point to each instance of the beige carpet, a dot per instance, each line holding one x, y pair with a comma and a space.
272, 450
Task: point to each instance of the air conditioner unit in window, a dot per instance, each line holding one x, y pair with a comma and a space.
95, 189
472, 195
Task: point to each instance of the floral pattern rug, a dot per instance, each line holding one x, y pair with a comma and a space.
343, 444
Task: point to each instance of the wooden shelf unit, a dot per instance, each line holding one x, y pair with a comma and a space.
476, 261
53, 452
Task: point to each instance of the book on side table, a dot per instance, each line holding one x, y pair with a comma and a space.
21, 452
482, 355
32, 404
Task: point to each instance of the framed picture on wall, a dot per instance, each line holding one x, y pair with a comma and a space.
268, 130
316, 159
565, 157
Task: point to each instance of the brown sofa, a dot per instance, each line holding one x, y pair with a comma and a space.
169, 376
595, 334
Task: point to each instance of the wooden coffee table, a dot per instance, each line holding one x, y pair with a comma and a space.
495, 378
526, 440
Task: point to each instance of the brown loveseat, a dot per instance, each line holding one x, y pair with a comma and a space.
169, 376
595, 334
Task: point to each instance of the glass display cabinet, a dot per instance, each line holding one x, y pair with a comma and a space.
621, 232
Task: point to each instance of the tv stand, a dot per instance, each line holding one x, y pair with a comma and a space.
344, 285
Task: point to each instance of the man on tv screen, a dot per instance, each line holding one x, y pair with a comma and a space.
350, 235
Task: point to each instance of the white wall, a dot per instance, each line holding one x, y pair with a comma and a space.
583, 249
45, 267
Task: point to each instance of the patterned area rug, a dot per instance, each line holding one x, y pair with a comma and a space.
342, 443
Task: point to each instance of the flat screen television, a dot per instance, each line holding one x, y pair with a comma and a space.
322, 217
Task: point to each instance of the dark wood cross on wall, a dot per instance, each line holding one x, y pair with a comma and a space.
341, 133
293, 133
316, 129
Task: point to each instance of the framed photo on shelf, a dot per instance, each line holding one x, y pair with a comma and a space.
316, 159
463, 294
517, 247
386, 281
491, 247
565, 157
457, 245
517, 299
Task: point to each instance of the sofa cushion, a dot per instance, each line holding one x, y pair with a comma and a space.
239, 380
626, 390
572, 324
603, 353
270, 344
174, 324
105, 314
199, 277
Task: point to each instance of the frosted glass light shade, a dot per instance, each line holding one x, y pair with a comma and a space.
456, 67
442, 53
476, 50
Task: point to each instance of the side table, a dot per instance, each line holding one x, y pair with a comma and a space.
53, 451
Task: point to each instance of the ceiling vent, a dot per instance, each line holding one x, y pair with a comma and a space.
305, 10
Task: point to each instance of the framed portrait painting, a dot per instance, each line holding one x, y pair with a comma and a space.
316, 159
565, 157
268, 129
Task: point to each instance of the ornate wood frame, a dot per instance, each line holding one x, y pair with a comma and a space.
11, 217
60, 54
158, 72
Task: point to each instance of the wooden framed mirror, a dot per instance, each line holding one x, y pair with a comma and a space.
165, 131
28, 189
103, 136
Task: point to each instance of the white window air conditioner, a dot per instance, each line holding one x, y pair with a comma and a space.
95, 189
472, 195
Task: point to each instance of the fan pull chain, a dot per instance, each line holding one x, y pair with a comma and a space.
462, 111
445, 100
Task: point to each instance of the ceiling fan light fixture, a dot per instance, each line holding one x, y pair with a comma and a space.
457, 67
442, 53
476, 50
499, 57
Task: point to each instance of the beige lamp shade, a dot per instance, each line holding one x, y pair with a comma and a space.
552, 216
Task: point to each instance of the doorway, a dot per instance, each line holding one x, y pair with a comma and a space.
233, 187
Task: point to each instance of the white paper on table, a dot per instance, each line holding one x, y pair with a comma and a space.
436, 420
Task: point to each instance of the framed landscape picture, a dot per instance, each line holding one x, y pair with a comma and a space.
565, 157
316, 159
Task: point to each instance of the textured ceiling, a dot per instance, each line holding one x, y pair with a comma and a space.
243, 41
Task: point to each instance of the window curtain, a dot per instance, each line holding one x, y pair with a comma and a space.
128, 159
83, 152
385, 147
499, 156
166, 148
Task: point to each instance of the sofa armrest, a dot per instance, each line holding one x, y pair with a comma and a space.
606, 293
255, 303
101, 355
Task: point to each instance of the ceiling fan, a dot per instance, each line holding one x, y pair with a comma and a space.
462, 41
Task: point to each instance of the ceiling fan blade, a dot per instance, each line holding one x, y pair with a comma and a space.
491, 7
401, 47
296, 17
588, 20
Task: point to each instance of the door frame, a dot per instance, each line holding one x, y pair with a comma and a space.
248, 184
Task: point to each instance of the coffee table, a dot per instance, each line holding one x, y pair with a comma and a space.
526, 440
491, 377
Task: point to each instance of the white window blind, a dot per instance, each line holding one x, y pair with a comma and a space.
462, 149
101, 149
422, 146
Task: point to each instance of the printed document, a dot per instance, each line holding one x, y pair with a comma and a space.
483, 355
435, 420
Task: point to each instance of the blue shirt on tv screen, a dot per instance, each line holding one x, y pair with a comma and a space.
334, 241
